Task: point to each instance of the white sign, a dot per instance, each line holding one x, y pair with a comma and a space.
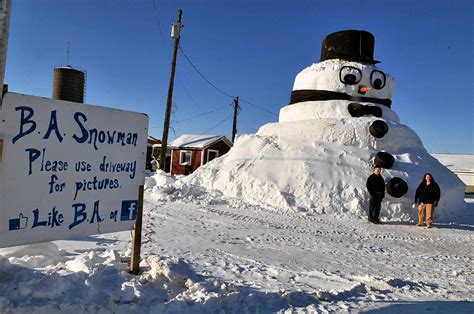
67, 169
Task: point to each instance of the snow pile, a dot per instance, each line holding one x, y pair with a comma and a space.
159, 182
315, 177
98, 281
38, 255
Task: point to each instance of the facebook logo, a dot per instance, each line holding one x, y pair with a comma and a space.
129, 210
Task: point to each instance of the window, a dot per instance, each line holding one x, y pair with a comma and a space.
185, 157
212, 154
156, 151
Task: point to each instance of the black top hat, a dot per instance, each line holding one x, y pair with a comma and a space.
351, 45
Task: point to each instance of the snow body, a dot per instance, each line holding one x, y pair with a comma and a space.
317, 157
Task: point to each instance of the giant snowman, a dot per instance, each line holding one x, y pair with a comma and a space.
316, 159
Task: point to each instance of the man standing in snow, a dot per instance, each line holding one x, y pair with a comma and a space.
376, 187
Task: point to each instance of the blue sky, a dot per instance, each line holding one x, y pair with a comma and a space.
251, 49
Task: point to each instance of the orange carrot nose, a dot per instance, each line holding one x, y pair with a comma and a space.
363, 89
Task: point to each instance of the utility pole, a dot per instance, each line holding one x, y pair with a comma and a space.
175, 33
236, 110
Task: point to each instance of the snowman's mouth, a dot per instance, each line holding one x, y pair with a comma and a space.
321, 95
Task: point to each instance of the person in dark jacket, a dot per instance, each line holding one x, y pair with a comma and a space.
376, 187
427, 197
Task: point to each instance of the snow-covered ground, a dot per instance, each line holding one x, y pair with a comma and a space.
206, 253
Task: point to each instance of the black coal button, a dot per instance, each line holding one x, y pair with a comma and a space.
378, 128
356, 110
374, 110
384, 160
396, 187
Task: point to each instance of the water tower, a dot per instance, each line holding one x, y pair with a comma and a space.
69, 84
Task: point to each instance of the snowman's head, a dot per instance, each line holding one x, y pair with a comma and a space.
346, 72
344, 80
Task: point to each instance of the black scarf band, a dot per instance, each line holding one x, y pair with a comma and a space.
318, 95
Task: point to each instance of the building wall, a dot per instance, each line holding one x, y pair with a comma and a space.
177, 169
197, 154
196, 160
220, 146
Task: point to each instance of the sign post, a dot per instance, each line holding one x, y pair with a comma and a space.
68, 169
137, 236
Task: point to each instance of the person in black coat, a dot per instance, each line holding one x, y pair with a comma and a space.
427, 196
376, 187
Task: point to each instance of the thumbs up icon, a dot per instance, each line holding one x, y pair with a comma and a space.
18, 223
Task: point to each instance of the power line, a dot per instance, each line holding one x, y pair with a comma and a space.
253, 128
193, 117
202, 75
215, 126
187, 92
158, 21
254, 105
218, 89
174, 132
200, 115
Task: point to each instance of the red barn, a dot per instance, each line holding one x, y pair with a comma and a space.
190, 151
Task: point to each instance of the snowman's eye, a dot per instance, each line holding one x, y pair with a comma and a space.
377, 79
350, 75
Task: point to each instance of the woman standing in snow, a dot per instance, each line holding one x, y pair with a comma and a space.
427, 197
